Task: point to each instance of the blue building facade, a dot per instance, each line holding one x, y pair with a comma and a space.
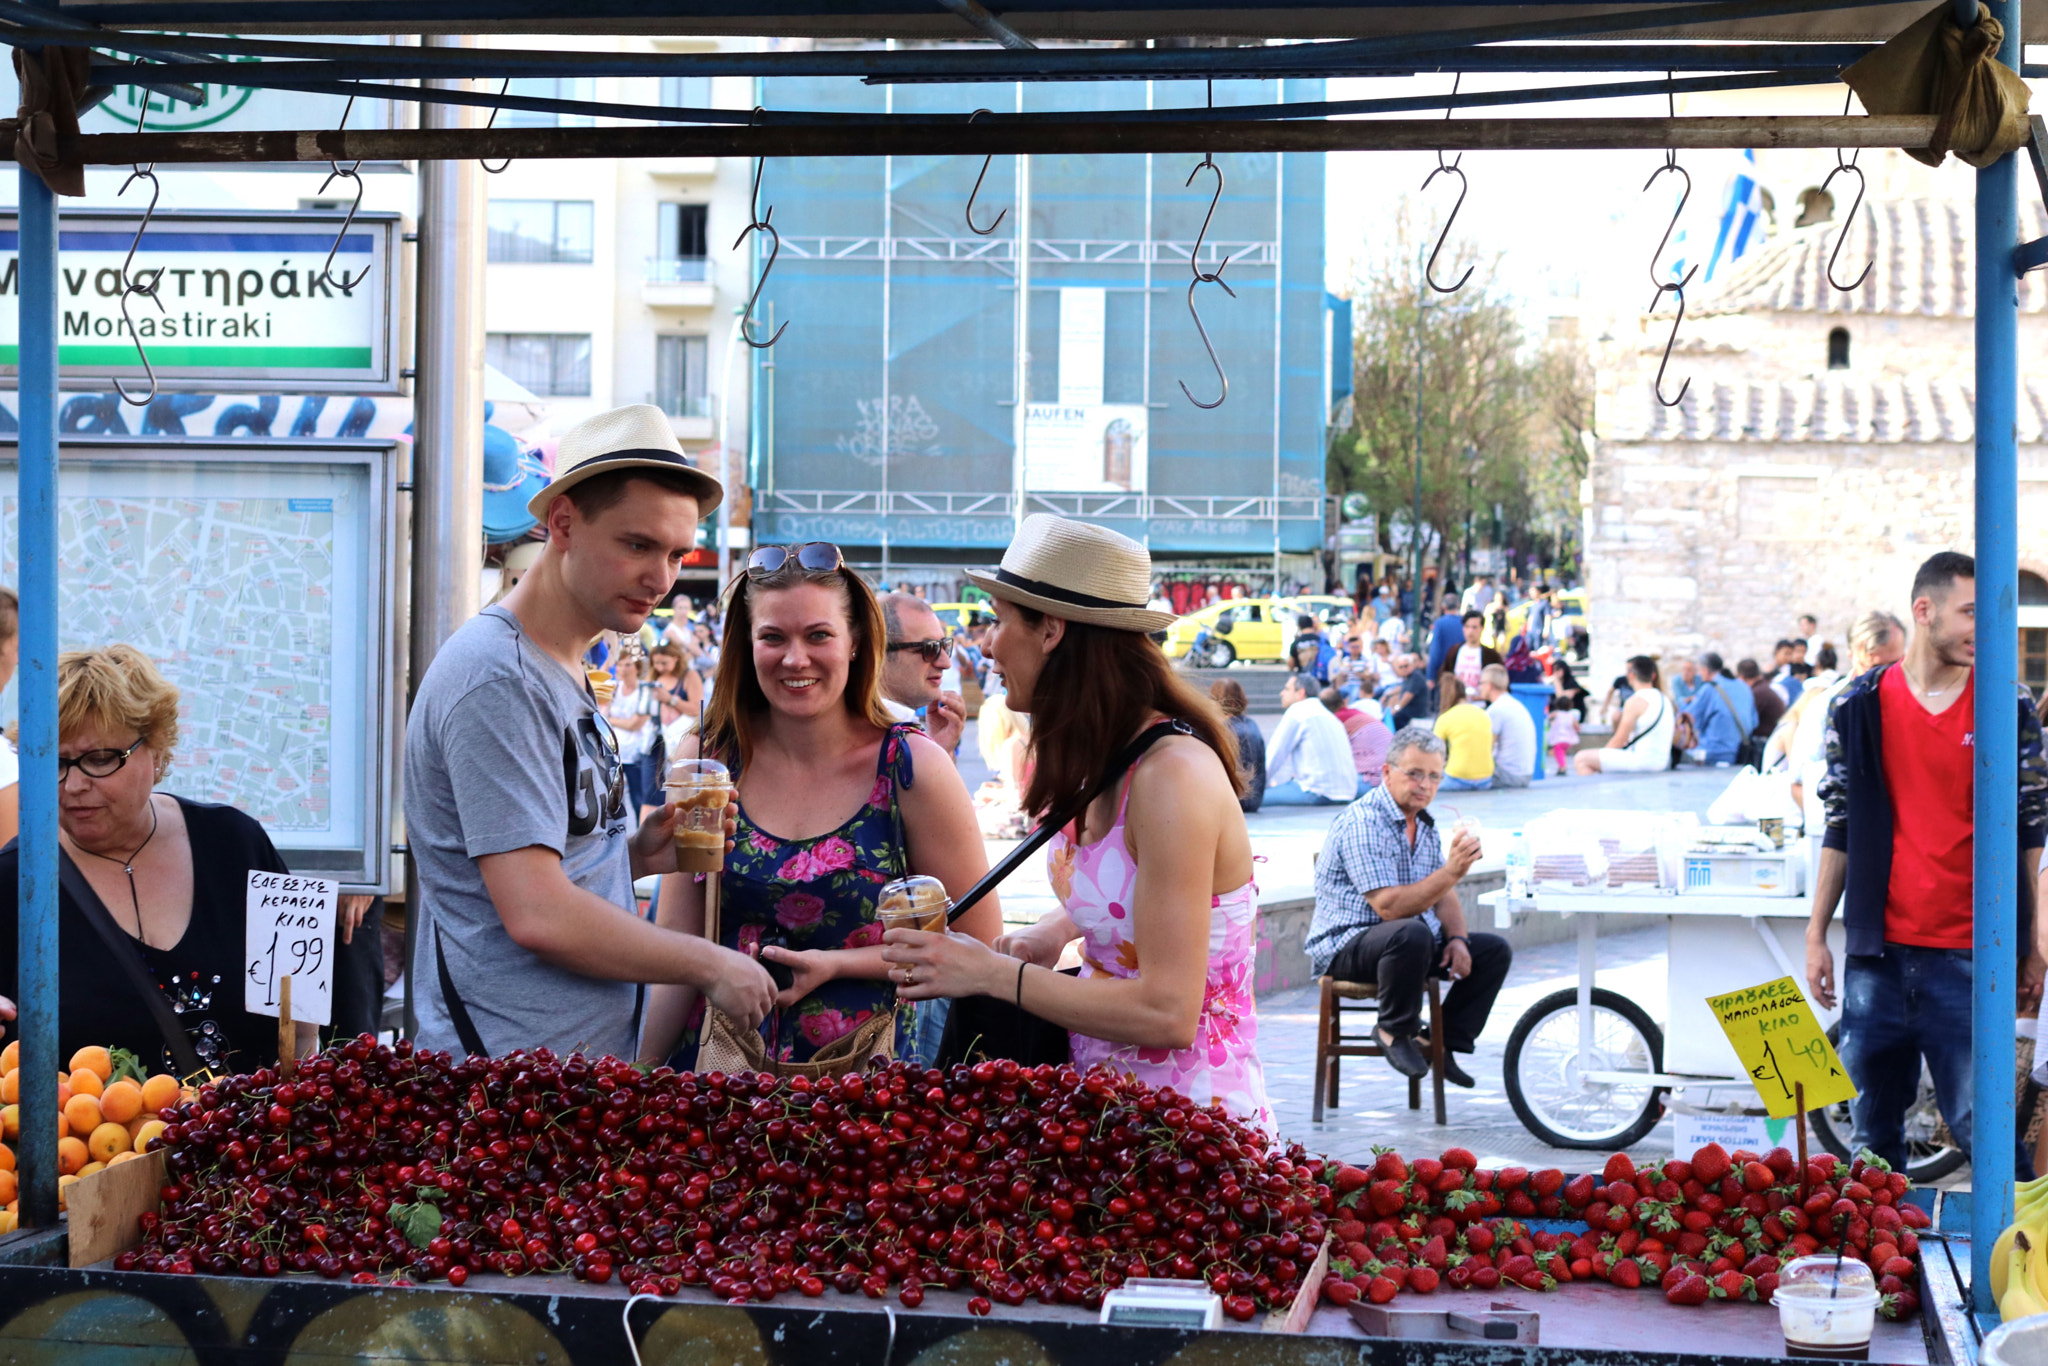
887, 417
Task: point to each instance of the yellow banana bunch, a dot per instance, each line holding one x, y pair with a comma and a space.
2029, 1214
2021, 1299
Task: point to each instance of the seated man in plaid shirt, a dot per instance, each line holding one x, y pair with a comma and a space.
1387, 910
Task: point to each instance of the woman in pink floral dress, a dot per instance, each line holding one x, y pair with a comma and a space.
834, 800
1155, 879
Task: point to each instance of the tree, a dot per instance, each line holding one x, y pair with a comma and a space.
1500, 417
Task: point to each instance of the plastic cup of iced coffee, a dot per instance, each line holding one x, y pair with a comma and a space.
700, 790
913, 903
1827, 1307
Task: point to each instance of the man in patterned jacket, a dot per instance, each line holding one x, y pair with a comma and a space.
1898, 795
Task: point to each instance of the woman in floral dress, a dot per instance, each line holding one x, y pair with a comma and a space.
1155, 879
834, 801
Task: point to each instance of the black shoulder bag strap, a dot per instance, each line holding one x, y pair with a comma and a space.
1058, 821
122, 949
458, 1013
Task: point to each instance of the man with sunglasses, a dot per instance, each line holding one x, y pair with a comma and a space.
515, 798
1387, 910
912, 678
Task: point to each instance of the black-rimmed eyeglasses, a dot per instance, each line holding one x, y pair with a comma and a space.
96, 763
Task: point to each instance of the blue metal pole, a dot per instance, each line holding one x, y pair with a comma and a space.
1996, 845
37, 987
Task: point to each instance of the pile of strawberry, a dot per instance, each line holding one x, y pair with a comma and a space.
1717, 1227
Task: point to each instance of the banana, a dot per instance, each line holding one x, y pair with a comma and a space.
2020, 1299
2030, 1211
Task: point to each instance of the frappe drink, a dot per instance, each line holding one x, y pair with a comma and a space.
913, 903
700, 790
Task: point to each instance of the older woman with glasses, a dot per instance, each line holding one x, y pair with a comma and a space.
159, 879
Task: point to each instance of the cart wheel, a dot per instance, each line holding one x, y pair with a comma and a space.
1542, 1072
1927, 1158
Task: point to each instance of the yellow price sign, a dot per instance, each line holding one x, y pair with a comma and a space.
1782, 1047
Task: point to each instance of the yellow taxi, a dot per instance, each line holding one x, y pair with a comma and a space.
958, 616
1256, 630
1569, 616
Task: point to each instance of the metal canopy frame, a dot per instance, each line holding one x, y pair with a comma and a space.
1756, 44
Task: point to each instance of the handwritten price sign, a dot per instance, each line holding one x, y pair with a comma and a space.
290, 932
1783, 1047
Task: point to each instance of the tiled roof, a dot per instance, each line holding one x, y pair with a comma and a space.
1923, 258
1827, 408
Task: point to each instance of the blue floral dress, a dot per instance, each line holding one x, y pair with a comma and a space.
818, 893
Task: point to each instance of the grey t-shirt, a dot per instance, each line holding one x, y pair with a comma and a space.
505, 750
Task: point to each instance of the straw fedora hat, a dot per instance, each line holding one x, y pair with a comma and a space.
636, 436
1078, 571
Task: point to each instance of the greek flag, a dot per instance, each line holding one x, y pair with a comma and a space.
1742, 211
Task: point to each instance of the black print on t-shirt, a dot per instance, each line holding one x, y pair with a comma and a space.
589, 763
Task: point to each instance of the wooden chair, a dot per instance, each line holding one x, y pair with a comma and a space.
1333, 1044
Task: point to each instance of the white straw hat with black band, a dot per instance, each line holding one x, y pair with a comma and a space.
1077, 571
637, 436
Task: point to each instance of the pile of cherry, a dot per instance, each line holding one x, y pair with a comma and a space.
379, 1163
1718, 1227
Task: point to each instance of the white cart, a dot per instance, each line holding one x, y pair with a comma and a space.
1587, 1067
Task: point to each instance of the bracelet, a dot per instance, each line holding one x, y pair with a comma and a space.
1020, 984
1457, 939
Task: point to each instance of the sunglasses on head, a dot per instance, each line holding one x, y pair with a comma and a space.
813, 557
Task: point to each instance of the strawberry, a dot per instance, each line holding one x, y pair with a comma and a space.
1396, 1273
1678, 1170
1900, 1305
1485, 1278
1759, 1264
1387, 1197
1889, 1285
1479, 1237
1450, 1179
1626, 1274
1619, 1168
1757, 1177
1691, 1244
1902, 1267
1887, 1217
1423, 1280
1578, 1193
1690, 1290
1696, 1221
1913, 1216
1357, 1253
1510, 1178
1623, 1193
1517, 1267
1618, 1218
1388, 1166
1348, 1231
1549, 1181
1348, 1179
1339, 1292
1629, 1241
1733, 1285
1550, 1207
1781, 1162
1710, 1204
1459, 1277
1710, 1164
1520, 1205
1440, 1227
1581, 1269
1380, 1290
1460, 1157
1434, 1253
1482, 1180
1425, 1170
1857, 1191
1899, 1184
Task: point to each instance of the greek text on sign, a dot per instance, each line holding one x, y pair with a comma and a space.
1782, 1047
253, 298
290, 933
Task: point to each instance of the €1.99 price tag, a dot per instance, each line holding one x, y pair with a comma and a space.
290, 932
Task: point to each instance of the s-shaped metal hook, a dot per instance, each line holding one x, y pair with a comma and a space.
1669, 342
1685, 193
982, 232
344, 284
760, 223
132, 284
1207, 277
1447, 168
1847, 164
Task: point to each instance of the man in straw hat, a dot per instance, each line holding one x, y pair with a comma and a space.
515, 800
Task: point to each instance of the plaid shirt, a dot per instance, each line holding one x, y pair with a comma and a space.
1367, 849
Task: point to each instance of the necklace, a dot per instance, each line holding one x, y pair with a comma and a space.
128, 867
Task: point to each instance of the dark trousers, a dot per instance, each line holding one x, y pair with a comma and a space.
359, 978
1898, 1007
1401, 955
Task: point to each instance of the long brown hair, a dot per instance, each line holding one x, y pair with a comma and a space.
737, 701
1098, 687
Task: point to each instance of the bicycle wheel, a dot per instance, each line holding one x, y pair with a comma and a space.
1542, 1072
1927, 1158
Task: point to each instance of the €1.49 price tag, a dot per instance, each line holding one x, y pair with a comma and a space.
290, 932
1783, 1047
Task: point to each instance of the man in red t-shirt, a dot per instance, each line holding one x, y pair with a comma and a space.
1899, 838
